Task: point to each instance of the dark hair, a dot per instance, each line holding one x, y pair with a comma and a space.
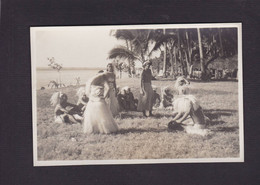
101, 71
64, 95
110, 64
64, 99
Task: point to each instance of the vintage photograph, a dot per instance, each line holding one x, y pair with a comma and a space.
137, 94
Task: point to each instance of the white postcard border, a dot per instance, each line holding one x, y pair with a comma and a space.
36, 162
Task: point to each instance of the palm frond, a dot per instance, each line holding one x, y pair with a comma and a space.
123, 53
159, 41
124, 34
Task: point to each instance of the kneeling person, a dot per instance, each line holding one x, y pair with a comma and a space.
185, 106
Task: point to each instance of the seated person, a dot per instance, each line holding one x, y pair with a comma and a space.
131, 102
83, 99
156, 100
64, 111
121, 98
167, 98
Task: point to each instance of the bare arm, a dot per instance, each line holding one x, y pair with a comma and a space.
81, 101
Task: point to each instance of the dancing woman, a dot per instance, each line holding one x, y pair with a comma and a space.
146, 92
111, 99
97, 116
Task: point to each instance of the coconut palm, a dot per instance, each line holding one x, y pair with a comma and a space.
179, 45
140, 44
209, 48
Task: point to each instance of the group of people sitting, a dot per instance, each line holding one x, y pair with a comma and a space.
69, 113
126, 99
101, 101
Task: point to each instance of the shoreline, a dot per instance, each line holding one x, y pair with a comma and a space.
70, 68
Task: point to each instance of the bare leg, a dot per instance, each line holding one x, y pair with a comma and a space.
72, 119
76, 116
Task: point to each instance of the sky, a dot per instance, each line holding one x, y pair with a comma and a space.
74, 47
85, 46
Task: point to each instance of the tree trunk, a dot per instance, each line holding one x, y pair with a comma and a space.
187, 64
188, 46
129, 62
220, 42
164, 56
171, 61
129, 68
191, 71
201, 53
181, 62
175, 60
180, 54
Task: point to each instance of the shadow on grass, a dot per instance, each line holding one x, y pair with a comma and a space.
203, 92
197, 80
211, 113
133, 115
139, 130
218, 122
216, 113
213, 80
225, 129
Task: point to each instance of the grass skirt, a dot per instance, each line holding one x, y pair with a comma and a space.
97, 116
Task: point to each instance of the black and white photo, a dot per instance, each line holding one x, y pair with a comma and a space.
162, 93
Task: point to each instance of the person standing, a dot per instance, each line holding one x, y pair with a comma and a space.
146, 92
97, 115
112, 94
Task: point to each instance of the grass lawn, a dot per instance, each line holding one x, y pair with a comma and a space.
144, 138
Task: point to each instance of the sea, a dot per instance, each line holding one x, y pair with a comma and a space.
67, 76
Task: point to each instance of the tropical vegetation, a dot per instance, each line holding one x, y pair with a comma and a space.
180, 49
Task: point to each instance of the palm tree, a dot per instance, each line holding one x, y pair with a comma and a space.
172, 49
140, 44
164, 55
209, 48
220, 42
201, 52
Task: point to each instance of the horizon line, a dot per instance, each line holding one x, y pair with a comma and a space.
66, 68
